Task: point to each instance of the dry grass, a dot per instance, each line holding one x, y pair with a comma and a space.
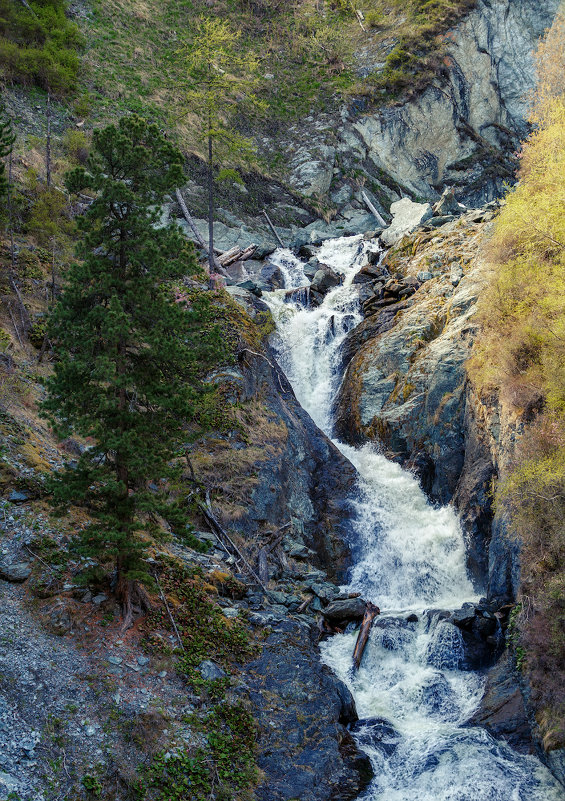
232, 473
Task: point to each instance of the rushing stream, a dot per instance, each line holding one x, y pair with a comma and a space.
409, 560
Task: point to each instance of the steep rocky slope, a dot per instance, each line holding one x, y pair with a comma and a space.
276, 484
461, 131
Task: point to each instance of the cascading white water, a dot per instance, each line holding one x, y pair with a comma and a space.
410, 558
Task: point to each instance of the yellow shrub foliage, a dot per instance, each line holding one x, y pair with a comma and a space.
521, 354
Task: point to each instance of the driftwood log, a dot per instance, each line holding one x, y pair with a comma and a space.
371, 613
236, 254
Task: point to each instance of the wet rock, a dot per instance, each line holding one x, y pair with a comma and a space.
405, 383
15, 573
324, 279
349, 609
272, 275
301, 709
300, 474
501, 711
248, 300
250, 286
377, 733
371, 272
463, 618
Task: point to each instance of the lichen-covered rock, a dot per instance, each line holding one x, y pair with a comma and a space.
16, 573
405, 384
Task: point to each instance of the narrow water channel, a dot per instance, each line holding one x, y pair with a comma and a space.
411, 693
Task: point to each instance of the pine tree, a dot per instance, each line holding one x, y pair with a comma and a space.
220, 82
129, 355
7, 139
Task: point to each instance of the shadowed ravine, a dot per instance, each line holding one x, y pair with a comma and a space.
411, 693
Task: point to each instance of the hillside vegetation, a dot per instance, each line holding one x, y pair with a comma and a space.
521, 353
312, 52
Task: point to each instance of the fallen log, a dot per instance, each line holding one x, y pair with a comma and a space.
371, 613
236, 254
262, 566
373, 210
273, 229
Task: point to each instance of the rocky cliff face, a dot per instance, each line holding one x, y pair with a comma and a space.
462, 132
407, 387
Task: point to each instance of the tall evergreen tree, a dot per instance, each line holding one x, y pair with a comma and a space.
220, 83
129, 354
7, 139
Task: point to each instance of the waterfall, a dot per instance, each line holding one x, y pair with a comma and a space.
412, 696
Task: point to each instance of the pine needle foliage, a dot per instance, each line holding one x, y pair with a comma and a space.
7, 139
130, 352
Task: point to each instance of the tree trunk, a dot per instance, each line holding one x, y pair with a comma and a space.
48, 143
210, 208
262, 566
197, 235
129, 594
371, 612
373, 210
24, 315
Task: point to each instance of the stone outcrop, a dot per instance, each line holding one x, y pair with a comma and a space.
405, 381
406, 386
502, 711
285, 470
304, 748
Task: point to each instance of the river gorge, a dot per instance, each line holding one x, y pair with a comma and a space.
415, 691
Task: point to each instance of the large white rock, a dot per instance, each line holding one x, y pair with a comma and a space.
407, 216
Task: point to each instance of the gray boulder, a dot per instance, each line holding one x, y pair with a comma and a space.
16, 573
447, 204
324, 279
349, 609
210, 671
